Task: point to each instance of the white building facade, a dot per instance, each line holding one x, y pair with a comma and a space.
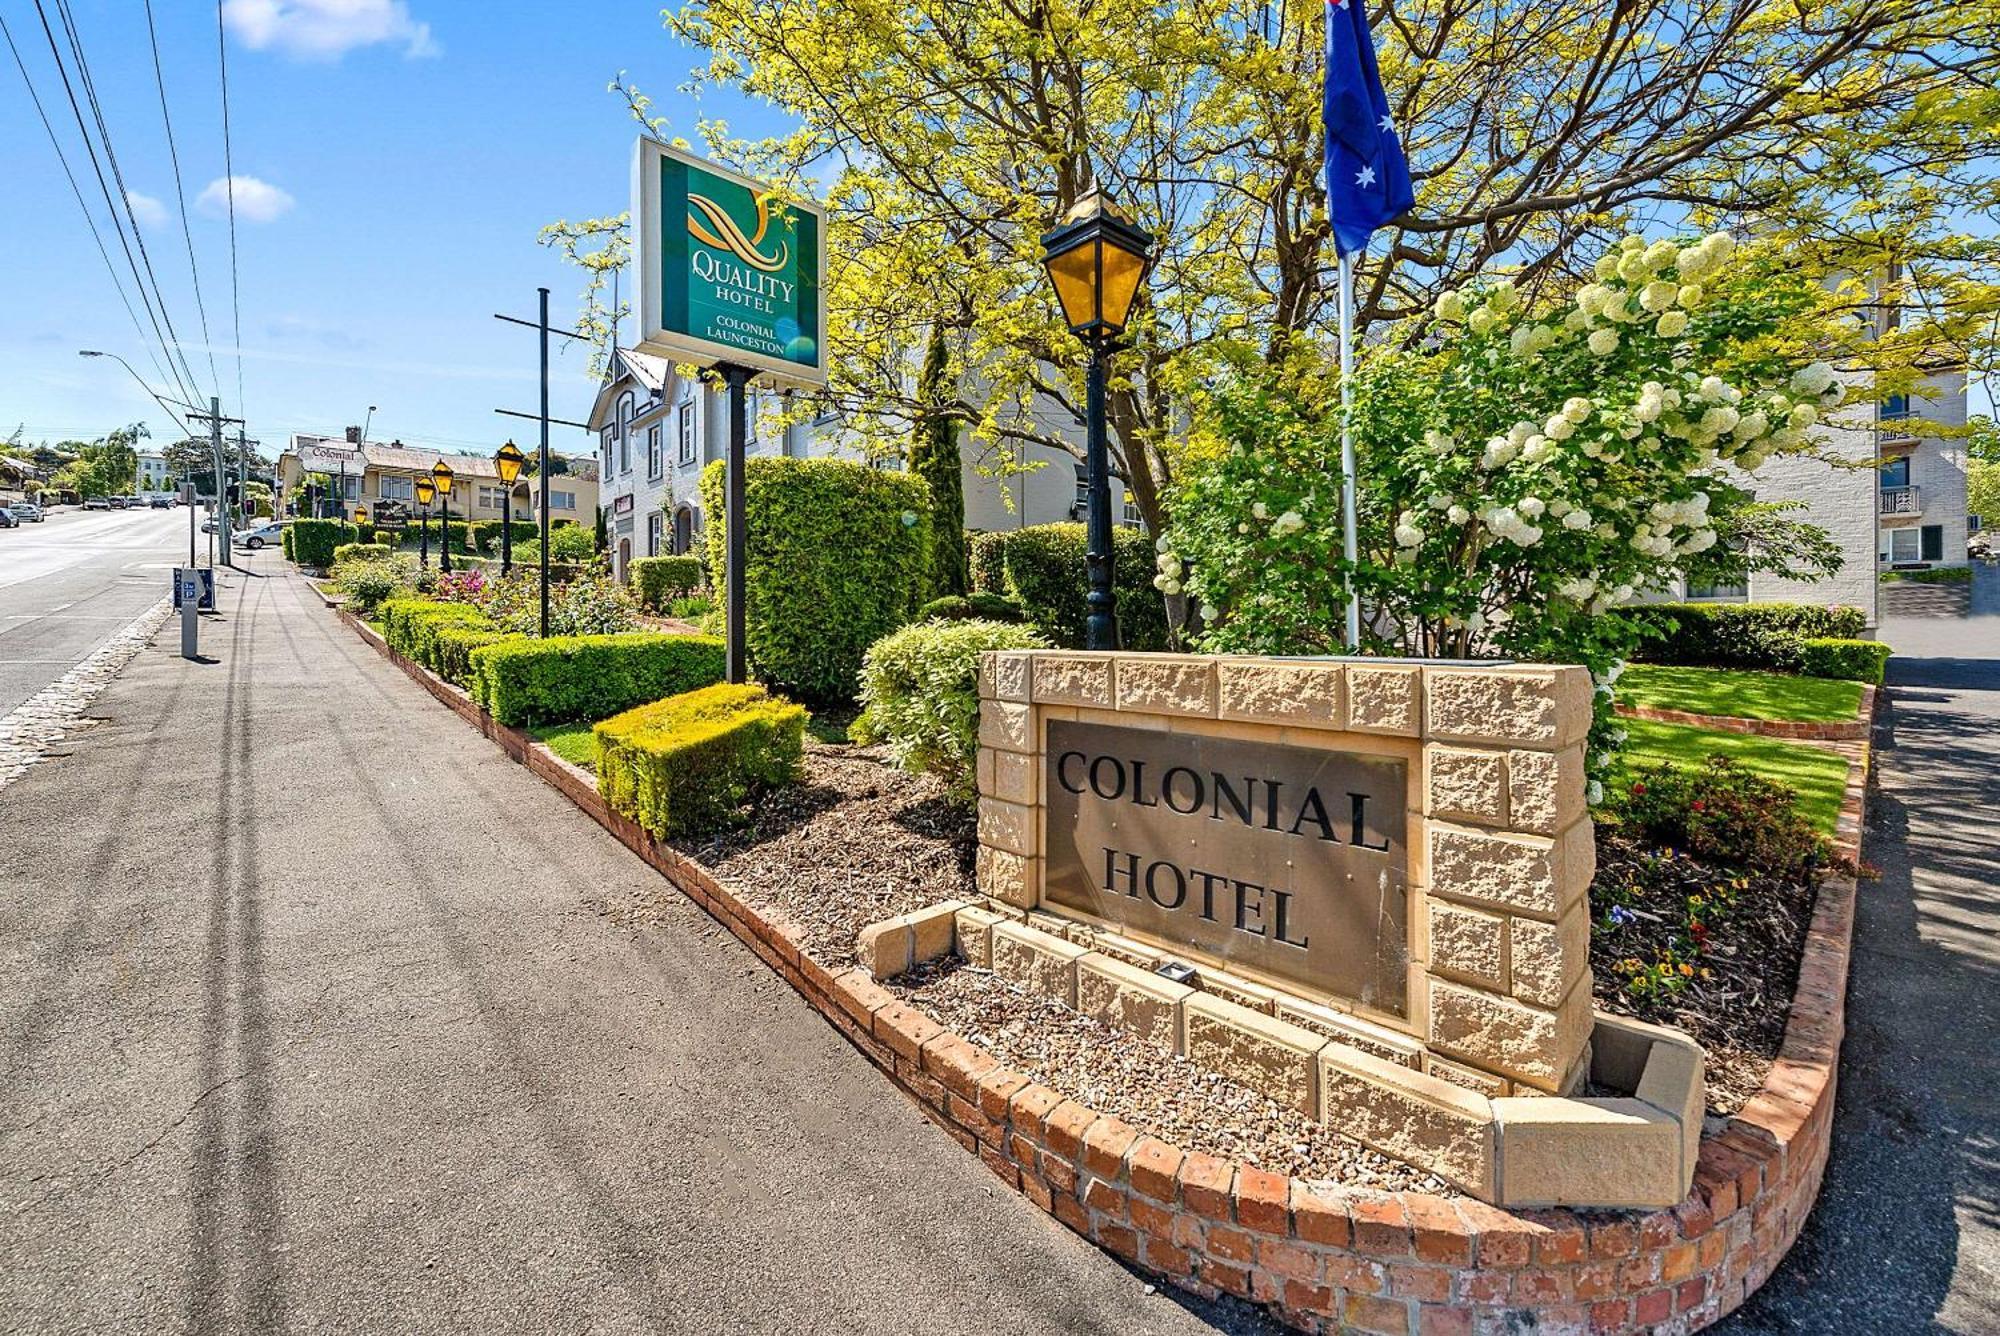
656, 430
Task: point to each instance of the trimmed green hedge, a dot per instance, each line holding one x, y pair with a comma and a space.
360, 552
1738, 635
658, 581
920, 694
564, 678
410, 625
452, 645
285, 541
684, 765
838, 557
1041, 567
486, 534
1852, 660
967, 607
313, 541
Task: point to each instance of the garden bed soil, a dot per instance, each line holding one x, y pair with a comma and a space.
1738, 1010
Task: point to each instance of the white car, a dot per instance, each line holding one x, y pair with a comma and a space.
25, 511
265, 534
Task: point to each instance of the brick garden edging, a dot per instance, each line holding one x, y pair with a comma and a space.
1845, 730
1406, 1263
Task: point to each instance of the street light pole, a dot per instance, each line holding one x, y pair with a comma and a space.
441, 474
542, 461
507, 462
1101, 623
424, 491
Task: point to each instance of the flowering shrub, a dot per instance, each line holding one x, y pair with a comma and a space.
1722, 814
1521, 472
470, 586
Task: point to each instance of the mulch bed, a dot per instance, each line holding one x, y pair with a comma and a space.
859, 841
1149, 1087
1755, 929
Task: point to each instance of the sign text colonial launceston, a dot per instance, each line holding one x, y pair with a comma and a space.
1285, 860
728, 271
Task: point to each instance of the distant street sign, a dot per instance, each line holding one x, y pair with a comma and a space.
196, 582
729, 271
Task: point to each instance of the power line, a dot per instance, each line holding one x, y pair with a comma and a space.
118, 175
180, 194
146, 297
90, 221
229, 177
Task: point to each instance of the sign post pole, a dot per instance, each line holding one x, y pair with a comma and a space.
189, 587
736, 377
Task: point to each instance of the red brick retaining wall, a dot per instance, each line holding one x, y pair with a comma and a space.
1846, 730
1406, 1263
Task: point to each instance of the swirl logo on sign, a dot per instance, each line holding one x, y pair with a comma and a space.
722, 232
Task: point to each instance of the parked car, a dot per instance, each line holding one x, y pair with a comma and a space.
264, 533
161, 503
97, 503
7, 520
26, 512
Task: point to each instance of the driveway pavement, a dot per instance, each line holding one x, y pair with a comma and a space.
311, 1020
1906, 1238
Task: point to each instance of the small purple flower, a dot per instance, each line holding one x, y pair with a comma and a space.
1620, 916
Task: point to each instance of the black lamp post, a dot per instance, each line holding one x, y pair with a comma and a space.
441, 475
508, 459
1096, 259
426, 491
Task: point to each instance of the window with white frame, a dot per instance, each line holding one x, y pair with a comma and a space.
625, 434
561, 500
653, 522
1082, 501
610, 437
392, 488
687, 431
492, 496
1131, 514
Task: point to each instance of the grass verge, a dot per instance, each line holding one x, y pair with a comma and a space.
572, 742
1817, 775
1739, 693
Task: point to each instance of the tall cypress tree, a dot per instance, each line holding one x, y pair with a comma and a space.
934, 458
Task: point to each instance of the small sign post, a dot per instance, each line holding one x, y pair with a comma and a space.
729, 279
187, 589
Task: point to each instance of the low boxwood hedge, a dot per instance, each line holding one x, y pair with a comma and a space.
360, 552
920, 694
1738, 635
658, 581
1852, 660
684, 765
452, 644
408, 624
564, 678
971, 607
1041, 567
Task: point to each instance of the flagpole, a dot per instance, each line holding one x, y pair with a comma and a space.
1348, 544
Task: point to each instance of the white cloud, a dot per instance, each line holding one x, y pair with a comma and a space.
327, 29
256, 201
149, 211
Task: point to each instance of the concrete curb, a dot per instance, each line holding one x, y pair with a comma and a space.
1402, 1262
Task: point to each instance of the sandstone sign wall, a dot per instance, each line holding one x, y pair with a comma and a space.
1237, 813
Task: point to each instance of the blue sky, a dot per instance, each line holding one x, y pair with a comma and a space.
418, 146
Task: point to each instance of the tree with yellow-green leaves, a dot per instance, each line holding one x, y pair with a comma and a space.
1861, 133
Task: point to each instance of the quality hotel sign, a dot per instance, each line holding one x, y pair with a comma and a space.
728, 271
1286, 861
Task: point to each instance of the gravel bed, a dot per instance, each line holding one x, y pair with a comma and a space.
1149, 1087
859, 841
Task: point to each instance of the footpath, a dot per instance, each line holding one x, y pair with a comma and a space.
1906, 1238
317, 1013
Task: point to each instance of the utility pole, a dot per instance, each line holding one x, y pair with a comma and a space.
215, 422
541, 327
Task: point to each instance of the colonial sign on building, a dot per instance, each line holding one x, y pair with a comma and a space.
728, 270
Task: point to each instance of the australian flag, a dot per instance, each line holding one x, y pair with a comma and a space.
1367, 178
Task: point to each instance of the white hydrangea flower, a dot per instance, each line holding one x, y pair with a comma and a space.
1719, 420
1604, 342
1713, 389
1458, 514
1692, 263
1503, 296
1450, 307
1576, 321
1659, 295
1660, 254
1578, 409
1558, 428
1752, 425
1690, 296
1593, 792
1632, 266
1720, 246
1631, 242
1482, 321
1803, 416
1288, 523
1577, 521
1814, 379
1671, 325
1606, 266
1751, 460
1261, 511
1590, 298
1531, 506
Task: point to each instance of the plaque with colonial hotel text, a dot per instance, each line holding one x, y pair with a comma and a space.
1288, 861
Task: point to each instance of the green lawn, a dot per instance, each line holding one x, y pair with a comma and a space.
1742, 694
572, 742
1817, 775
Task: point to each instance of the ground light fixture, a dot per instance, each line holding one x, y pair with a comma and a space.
441, 474
1097, 258
508, 459
426, 491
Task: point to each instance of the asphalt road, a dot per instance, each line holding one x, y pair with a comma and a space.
1906, 1237
68, 583
317, 1014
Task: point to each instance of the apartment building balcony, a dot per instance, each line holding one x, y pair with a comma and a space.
1900, 502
